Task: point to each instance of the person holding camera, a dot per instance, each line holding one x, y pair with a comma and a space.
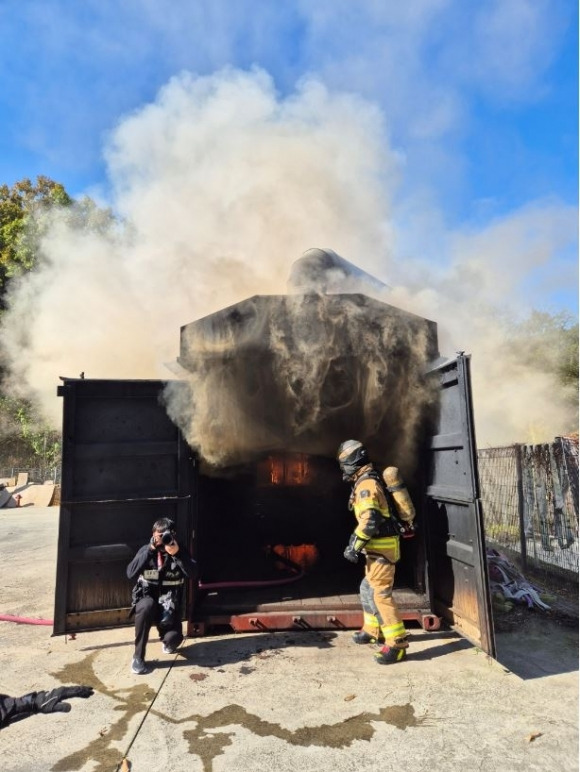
161, 569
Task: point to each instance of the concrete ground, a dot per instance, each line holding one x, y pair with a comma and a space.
275, 702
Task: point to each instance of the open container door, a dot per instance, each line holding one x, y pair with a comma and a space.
457, 565
124, 465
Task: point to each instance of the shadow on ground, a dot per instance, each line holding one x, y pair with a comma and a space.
217, 652
539, 646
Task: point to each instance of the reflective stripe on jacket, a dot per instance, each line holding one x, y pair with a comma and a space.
170, 578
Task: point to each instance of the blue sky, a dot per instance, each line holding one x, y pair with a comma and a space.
480, 98
499, 77
433, 143
488, 88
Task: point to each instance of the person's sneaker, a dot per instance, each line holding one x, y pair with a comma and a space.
389, 654
167, 649
138, 666
361, 636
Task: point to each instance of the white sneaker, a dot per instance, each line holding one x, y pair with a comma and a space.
138, 666
168, 649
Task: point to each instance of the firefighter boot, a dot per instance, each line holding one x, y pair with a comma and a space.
361, 636
389, 654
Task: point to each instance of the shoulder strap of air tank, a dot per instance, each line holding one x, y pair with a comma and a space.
374, 475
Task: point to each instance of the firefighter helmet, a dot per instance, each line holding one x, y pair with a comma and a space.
352, 455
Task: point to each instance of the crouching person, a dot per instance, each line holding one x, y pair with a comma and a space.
161, 569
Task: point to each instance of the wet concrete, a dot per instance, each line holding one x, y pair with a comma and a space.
311, 701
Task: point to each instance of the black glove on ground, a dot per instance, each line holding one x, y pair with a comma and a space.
52, 702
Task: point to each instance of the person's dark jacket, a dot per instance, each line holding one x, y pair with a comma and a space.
166, 582
146, 558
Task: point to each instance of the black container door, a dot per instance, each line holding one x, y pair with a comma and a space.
457, 566
124, 465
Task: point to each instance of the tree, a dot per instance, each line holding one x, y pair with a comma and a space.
21, 223
548, 343
27, 211
26, 441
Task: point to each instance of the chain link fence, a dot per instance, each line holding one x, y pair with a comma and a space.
529, 496
9, 474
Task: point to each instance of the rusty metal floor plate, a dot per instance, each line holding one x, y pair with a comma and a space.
306, 605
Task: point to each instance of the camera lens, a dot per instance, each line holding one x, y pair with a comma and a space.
167, 537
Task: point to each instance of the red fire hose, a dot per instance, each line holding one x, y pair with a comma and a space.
299, 573
25, 620
265, 583
202, 586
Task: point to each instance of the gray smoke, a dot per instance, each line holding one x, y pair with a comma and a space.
302, 373
222, 185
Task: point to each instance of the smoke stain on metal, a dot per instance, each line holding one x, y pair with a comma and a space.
134, 700
303, 372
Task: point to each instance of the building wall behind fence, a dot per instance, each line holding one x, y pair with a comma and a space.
529, 496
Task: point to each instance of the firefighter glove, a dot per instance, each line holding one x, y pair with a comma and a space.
408, 530
53, 701
353, 550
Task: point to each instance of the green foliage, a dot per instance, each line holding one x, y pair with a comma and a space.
549, 343
26, 212
18, 418
22, 207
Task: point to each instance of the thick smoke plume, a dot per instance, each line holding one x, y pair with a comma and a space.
221, 184
303, 372
479, 298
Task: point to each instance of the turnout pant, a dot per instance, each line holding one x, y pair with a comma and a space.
380, 577
147, 614
371, 618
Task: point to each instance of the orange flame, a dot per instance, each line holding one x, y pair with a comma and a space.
303, 555
289, 470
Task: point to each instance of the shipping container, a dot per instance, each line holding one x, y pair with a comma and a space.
274, 384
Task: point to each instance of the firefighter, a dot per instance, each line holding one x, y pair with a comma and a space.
16, 708
380, 523
161, 568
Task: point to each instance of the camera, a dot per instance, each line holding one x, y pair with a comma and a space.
167, 537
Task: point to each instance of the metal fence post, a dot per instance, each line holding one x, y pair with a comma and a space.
521, 506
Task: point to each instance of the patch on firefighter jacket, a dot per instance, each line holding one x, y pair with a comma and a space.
151, 575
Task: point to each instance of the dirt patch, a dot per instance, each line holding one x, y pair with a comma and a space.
520, 618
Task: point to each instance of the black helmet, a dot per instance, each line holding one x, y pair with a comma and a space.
352, 455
